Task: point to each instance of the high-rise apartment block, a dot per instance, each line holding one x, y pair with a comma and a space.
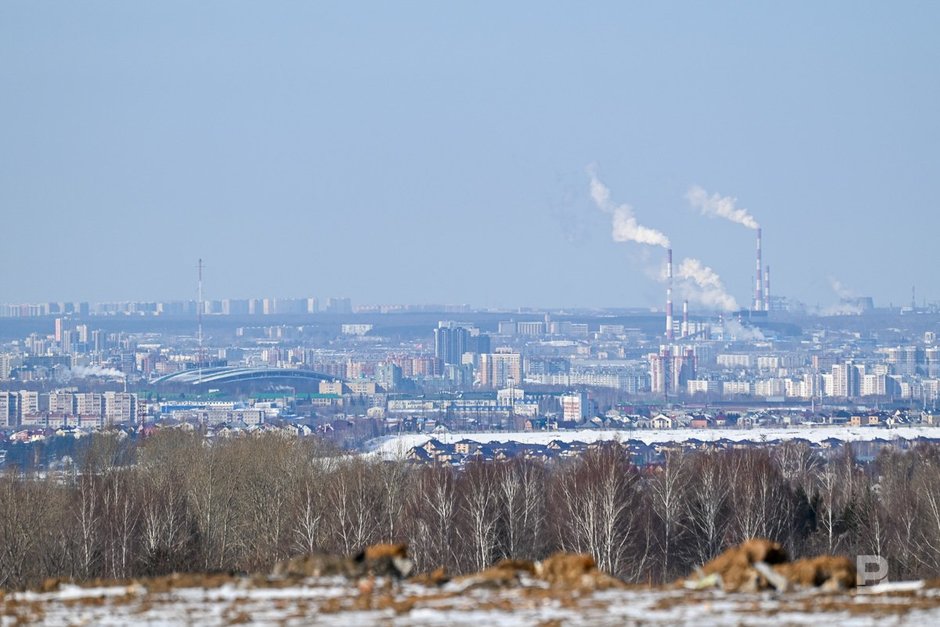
450, 342
500, 369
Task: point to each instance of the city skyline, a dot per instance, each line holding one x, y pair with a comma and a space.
427, 154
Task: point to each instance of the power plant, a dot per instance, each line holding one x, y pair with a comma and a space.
675, 362
761, 298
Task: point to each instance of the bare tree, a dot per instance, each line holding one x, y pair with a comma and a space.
831, 506
667, 497
903, 511
759, 496
433, 508
120, 515
87, 516
596, 497
521, 486
707, 505
176, 502
211, 489
396, 480
478, 489
20, 510
354, 507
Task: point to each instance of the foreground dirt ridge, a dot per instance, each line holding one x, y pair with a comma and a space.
753, 583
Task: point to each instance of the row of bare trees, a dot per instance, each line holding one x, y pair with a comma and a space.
176, 503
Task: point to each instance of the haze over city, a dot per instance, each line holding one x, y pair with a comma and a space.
442, 313
418, 152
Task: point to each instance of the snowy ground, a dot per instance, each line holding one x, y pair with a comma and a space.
337, 602
394, 446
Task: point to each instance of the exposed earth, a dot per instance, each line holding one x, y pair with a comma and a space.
752, 584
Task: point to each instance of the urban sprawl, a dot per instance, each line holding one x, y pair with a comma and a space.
352, 375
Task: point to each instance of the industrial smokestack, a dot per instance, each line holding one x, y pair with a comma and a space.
759, 287
669, 294
767, 289
684, 332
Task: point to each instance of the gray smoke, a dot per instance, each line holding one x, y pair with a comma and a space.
847, 306
841, 290
96, 371
737, 331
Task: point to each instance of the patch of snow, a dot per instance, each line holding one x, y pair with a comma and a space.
892, 586
395, 446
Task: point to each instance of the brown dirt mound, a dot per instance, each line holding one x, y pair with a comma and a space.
825, 571
562, 570
736, 569
380, 551
574, 571
315, 565
498, 576
526, 566
389, 560
435, 578
760, 564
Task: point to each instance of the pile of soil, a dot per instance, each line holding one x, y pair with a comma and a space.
379, 560
760, 564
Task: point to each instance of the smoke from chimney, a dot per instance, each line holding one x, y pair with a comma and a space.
701, 284
725, 207
96, 371
720, 207
625, 227
698, 282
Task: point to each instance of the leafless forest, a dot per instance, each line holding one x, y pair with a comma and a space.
172, 503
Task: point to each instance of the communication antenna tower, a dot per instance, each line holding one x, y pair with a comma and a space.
199, 308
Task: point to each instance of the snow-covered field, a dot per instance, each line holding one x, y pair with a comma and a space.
394, 446
332, 602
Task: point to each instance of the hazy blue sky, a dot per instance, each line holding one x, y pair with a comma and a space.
436, 152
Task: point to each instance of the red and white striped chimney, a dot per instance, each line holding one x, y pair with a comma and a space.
767, 289
684, 330
669, 334
759, 288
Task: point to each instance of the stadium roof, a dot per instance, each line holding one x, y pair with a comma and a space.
231, 374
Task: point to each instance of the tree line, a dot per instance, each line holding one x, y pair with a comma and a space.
172, 502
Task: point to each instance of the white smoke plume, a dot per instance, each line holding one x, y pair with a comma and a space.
841, 290
699, 283
625, 226
842, 309
847, 306
720, 206
96, 371
737, 331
